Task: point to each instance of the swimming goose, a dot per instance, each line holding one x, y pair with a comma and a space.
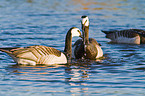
129, 36
89, 48
38, 54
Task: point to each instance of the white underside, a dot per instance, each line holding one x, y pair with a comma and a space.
135, 40
25, 61
100, 52
48, 60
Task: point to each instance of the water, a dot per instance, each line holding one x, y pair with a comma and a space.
45, 22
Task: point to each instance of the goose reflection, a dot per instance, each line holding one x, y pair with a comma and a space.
86, 5
74, 77
71, 75
76, 74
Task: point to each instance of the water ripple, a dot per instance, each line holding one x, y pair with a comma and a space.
44, 22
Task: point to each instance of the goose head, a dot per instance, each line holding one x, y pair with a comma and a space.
68, 41
75, 32
85, 21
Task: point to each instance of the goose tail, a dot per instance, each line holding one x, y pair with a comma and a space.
9, 51
107, 32
6, 50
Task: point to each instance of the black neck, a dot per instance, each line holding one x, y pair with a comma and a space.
68, 45
86, 34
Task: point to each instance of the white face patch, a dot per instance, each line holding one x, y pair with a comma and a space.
85, 21
75, 32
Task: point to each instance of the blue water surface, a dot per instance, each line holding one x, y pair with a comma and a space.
45, 22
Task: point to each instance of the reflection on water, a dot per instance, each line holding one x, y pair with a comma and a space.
30, 1
97, 5
41, 76
73, 71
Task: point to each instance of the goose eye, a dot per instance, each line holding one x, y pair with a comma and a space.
79, 31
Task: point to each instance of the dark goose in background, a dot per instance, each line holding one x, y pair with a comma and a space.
129, 36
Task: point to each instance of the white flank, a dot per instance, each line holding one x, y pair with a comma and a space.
47, 59
135, 40
100, 52
22, 61
25, 61
52, 59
